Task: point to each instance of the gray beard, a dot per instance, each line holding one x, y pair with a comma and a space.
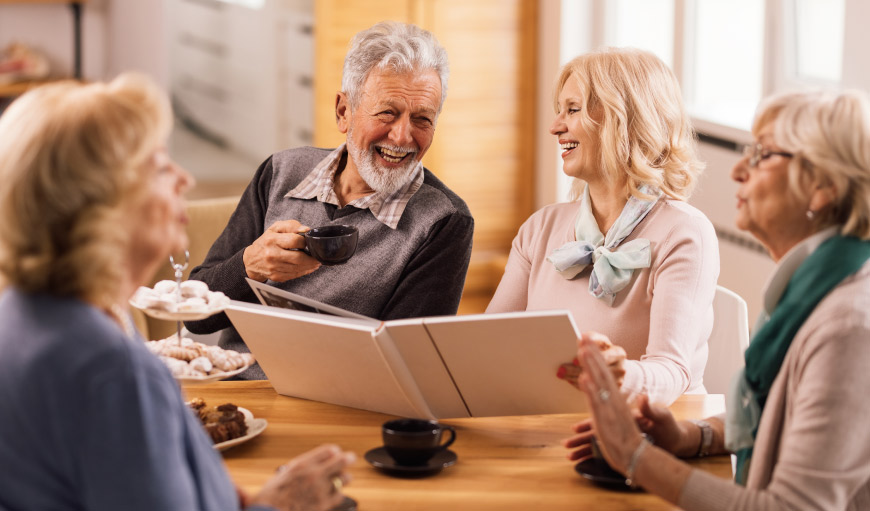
379, 179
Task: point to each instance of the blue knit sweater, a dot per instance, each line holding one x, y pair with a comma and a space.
89, 419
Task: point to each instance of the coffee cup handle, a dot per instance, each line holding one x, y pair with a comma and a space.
305, 248
448, 443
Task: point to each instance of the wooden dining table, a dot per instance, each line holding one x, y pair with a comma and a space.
504, 463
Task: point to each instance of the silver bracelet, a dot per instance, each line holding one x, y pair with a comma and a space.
706, 443
632, 463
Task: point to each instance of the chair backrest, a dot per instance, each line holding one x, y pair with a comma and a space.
207, 220
728, 340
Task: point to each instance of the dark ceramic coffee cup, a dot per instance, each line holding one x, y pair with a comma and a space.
415, 441
331, 244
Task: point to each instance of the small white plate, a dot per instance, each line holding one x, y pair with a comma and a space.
208, 378
179, 316
255, 427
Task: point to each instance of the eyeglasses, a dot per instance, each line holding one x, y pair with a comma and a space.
757, 153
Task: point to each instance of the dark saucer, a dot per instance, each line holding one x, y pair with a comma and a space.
348, 504
600, 473
379, 458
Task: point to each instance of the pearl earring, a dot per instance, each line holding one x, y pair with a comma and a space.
811, 215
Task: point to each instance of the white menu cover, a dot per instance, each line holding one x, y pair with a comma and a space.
434, 367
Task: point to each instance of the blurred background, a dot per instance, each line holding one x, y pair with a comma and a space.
251, 77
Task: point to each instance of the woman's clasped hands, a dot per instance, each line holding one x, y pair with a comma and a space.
614, 359
618, 422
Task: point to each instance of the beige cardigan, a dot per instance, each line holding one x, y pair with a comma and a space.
813, 447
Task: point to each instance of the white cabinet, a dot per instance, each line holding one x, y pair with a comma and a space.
241, 72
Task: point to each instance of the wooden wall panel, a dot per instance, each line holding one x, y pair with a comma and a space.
484, 144
335, 23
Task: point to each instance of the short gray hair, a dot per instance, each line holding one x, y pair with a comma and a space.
829, 134
401, 47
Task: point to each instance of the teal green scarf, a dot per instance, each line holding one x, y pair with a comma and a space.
834, 260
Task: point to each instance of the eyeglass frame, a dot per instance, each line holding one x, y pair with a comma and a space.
757, 153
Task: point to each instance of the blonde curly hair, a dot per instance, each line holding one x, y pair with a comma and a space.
70, 156
645, 135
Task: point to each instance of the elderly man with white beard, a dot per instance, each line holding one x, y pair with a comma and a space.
414, 233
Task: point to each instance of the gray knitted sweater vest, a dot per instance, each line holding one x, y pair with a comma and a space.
417, 269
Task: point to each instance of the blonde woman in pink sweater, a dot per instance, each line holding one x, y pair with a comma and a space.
796, 413
627, 256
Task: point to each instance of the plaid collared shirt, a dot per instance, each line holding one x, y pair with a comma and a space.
388, 209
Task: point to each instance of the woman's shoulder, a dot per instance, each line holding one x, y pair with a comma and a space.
847, 306
674, 218
41, 316
551, 218
840, 324
63, 336
681, 210
557, 212
832, 342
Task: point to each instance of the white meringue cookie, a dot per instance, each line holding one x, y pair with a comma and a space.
165, 287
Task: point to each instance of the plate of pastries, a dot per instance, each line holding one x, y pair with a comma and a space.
190, 300
227, 425
195, 362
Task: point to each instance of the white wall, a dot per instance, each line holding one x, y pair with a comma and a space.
49, 29
856, 72
136, 37
743, 269
117, 35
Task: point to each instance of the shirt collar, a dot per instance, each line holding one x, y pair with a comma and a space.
386, 208
789, 264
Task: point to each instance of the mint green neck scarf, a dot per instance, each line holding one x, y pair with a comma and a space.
833, 261
613, 262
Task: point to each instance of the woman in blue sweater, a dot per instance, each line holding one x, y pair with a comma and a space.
90, 206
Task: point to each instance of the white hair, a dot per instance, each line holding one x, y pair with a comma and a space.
829, 134
402, 47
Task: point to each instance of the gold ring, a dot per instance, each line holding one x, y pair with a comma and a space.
337, 484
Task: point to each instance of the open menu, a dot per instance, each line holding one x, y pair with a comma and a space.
434, 367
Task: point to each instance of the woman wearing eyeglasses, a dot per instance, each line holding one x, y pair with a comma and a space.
628, 257
796, 414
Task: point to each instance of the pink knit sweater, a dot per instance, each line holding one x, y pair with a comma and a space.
662, 319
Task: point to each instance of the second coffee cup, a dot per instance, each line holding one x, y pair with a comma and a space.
415, 441
331, 244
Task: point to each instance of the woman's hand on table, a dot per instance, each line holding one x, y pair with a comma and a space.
613, 423
617, 429
581, 442
310, 481
658, 422
653, 419
614, 357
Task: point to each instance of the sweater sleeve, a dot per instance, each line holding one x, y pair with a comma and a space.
683, 286
223, 268
141, 450
512, 294
822, 456
432, 281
